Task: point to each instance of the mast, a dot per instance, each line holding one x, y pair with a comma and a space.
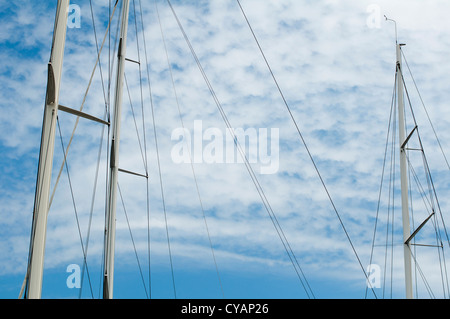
403, 140
404, 177
110, 222
41, 202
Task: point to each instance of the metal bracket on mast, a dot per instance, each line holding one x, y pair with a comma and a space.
82, 114
418, 229
132, 173
133, 61
408, 138
51, 94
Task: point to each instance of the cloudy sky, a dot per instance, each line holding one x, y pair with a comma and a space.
334, 62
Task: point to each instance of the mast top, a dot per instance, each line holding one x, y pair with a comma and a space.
395, 23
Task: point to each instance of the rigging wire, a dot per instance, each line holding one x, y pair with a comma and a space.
424, 279
132, 240
163, 201
426, 200
277, 226
146, 176
382, 178
426, 111
304, 143
144, 135
160, 176
143, 151
391, 206
426, 166
135, 123
105, 116
97, 62
391, 200
190, 156
96, 46
83, 249
158, 161
145, 145
432, 194
94, 192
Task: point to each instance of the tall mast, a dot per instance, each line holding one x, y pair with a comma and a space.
110, 222
41, 202
404, 176
403, 140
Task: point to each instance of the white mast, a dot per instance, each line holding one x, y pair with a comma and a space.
41, 202
110, 224
403, 140
404, 176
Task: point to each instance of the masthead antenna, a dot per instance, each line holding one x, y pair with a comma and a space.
395, 23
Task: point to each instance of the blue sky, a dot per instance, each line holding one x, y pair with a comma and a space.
334, 61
